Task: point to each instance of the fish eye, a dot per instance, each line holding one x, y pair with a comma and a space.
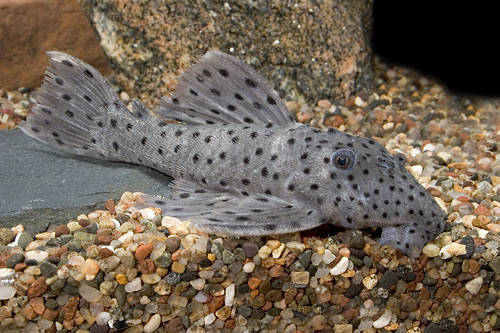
343, 159
400, 159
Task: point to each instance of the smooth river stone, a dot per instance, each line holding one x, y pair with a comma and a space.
90, 294
7, 292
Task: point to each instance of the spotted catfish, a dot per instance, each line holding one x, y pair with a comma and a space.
242, 165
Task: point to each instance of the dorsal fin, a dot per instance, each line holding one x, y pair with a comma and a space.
220, 89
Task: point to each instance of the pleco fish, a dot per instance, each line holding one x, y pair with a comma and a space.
242, 165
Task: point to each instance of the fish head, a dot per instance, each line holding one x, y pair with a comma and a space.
363, 185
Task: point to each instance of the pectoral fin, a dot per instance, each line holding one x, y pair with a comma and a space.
232, 213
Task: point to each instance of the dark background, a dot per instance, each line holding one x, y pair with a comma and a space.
457, 42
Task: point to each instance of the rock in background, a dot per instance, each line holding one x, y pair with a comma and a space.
29, 28
308, 50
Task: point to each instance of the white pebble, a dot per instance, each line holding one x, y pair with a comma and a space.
103, 318
73, 225
133, 285
76, 261
201, 244
63, 272
153, 323
341, 267
474, 285
7, 274
359, 102
454, 249
384, 319
169, 221
295, 247
206, 274
210, 319
316, 258
18, 229
416, 170
249, 267
279, 251
147, 213
229, 296
370, 281
127, 237
431, 250
264, 252
198, 284
388, 126
328, 257
7, 292
429, 147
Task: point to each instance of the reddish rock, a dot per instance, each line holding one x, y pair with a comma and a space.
37, 288
61, 250
335, 121
268, 305
481, 210
28, 35
110, 206
411, 286
20, 267
290, 258
104, 239
104, 252
230, 323
216, 303
68, 324
84, 222
254, 283
474, 267
350, 314
409, 123
69, 309
50, 314
28, 312
146, 266
175, 325
409, 305
62, 230
290, 295
276, 271
143, 251
37, 305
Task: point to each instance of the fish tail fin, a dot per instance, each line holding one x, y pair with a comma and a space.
77, 110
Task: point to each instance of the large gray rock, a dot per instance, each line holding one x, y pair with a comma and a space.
307, 49
30, 28
40, 186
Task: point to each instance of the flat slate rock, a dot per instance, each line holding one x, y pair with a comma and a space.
40, 186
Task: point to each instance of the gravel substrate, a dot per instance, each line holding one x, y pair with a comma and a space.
117, 270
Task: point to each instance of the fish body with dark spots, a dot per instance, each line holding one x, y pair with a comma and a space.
242, 165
